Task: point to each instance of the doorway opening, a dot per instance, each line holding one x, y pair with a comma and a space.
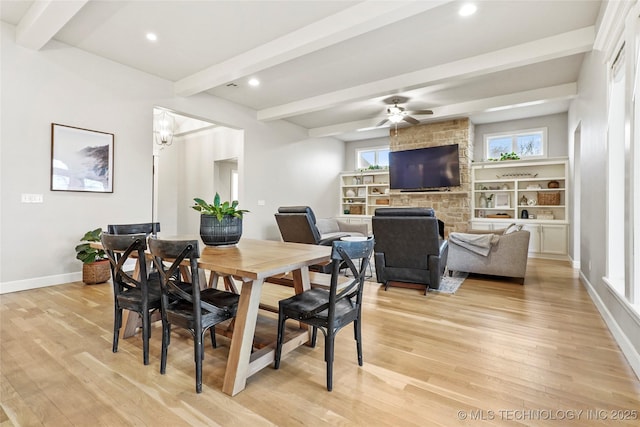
203, 158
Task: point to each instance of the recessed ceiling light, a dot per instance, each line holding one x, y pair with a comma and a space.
467, 9
152, 37
254, 82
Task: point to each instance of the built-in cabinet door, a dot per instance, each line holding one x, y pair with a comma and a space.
553, 239
534, 236
481, 226
358, 220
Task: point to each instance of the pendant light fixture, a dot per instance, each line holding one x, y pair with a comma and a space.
163, 128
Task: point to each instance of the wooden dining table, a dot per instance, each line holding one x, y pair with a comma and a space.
252, 262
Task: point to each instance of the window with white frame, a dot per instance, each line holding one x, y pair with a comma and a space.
634, 292
367, 157
529, 143
615, 268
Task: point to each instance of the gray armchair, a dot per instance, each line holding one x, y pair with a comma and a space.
507, 255
409, 246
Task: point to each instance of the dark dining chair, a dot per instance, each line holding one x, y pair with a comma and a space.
138, 294
331, 309
148, 228
188, 307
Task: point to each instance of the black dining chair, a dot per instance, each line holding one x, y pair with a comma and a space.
138, 294
188, 307
331, 309
148, 228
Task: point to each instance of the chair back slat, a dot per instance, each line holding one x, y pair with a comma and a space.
119, 249
174, 252
146, 227
345, 253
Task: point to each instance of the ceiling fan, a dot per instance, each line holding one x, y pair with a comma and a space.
397, 114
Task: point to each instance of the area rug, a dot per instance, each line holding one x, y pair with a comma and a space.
449, 285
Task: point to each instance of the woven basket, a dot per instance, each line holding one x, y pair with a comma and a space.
548, 198
96, 272
355, 210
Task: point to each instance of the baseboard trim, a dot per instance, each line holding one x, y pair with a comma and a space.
632, 355
39, 282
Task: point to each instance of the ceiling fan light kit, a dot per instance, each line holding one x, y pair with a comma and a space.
397, 114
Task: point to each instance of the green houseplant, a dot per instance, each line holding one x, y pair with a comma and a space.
95, 265
220, 222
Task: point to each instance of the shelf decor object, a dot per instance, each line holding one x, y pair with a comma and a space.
81, 159
502, 201
546, 198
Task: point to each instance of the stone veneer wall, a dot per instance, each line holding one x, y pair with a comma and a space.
451, 208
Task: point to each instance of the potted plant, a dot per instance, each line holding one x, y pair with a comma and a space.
95, 265
220, 223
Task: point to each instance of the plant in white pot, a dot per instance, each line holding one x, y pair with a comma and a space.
220, 223
95, 265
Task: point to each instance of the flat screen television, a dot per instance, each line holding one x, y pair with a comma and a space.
424, 169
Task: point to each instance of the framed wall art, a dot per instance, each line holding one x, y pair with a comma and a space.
81, 159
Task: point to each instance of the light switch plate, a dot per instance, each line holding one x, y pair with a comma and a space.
31, 198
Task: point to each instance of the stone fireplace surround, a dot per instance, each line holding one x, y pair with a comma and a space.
451, 207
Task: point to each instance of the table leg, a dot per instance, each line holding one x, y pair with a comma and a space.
301, 280
235, 377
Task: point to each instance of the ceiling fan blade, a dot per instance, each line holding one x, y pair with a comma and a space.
382, 122
411, 120
420, 112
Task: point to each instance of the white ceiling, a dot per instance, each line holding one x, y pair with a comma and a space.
329, 65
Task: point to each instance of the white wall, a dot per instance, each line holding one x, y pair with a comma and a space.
556, 125
65, 85
588, 113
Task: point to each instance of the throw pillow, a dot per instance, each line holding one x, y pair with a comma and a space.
512, 228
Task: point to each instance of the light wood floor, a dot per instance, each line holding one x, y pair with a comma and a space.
495, 353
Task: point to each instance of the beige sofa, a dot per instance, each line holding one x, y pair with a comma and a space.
330, 228
507, 255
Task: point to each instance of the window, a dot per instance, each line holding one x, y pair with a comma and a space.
234, 184
372, 157
616, 178
530, 143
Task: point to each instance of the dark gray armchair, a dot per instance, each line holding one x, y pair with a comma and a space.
409, 246
298, 224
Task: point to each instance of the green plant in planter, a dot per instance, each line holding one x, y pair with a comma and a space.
95, 265
217, 209
220, 223
506, 156
84, 251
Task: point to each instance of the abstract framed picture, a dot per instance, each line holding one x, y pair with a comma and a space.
81, 159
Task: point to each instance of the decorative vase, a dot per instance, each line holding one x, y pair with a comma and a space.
96, 272
220, 233
483, 201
